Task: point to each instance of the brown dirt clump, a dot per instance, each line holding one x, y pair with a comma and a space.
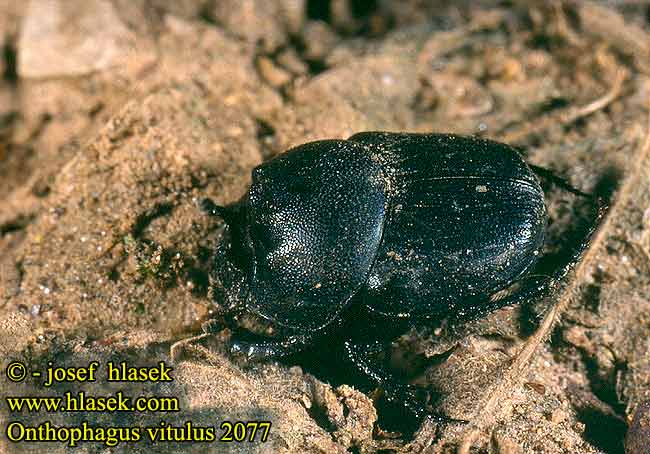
117, 117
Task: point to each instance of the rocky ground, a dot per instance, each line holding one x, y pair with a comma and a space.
116, 117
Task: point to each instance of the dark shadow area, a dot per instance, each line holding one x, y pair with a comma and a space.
319, 10
603, 431
328, 360
608, 182
11, 66
143, 220
356, 21
363, 8
315, 66
15, 225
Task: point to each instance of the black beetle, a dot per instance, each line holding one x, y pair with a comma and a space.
408, 227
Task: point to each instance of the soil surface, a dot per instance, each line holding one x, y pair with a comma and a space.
117, 117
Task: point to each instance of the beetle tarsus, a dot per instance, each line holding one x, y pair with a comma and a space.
260, 350
444, 419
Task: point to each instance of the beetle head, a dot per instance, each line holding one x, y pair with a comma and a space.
230, 270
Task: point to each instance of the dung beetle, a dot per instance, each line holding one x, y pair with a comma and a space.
392, 229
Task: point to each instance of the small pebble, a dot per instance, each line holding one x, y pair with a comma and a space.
557, 416
272, 73
290, 60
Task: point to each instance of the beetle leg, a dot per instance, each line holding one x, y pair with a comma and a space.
562, 183
526, 289
558, 181
362, 355
529, 288
395, 391
254, 350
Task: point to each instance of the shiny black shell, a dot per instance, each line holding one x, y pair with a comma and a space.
414, 225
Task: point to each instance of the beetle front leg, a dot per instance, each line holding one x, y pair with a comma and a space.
256, 350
